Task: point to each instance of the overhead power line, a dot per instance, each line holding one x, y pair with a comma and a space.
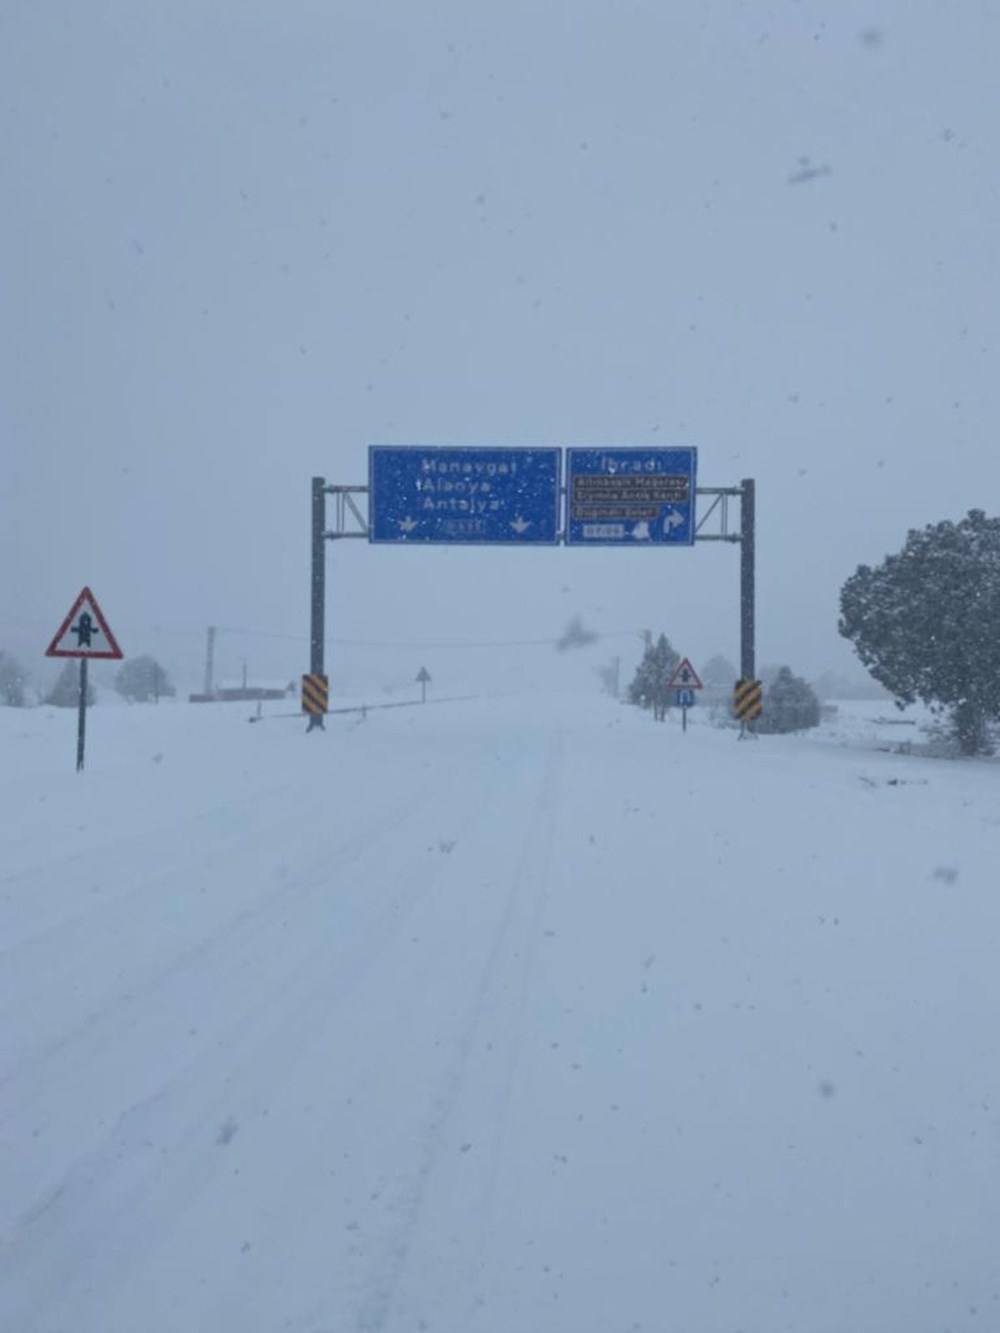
427, 643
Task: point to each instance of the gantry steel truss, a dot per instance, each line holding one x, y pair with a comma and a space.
350, 520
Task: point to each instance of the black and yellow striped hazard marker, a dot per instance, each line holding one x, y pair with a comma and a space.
315, 694
748, 700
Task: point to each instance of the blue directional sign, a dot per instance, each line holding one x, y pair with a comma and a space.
685, 698
631, 497
479, 496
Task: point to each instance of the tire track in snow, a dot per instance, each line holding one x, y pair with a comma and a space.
166, 846
235, 931
116, 861
138, 1176
525, 897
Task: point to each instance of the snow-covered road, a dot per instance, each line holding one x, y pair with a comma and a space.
503, 1016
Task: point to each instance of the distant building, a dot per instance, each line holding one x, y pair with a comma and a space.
230, 691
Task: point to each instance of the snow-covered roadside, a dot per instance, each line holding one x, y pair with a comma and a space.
496, 1017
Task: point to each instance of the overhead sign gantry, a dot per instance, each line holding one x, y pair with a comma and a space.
634, 497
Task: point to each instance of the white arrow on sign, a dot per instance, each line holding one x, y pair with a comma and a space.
673, 520
520, 525
407, 524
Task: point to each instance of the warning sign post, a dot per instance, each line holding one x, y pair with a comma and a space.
685, 681
84, 633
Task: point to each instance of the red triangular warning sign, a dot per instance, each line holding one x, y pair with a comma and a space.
84, 632
685, 677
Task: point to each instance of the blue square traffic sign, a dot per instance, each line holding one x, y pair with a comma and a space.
464, 496
631, 497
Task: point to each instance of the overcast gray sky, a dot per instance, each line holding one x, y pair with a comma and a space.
241, 241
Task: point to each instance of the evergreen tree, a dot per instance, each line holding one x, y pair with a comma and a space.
141, 679
649, 685
65, 693
608, 676
13, 679
790, 704
719, 673
638, 690
926, 622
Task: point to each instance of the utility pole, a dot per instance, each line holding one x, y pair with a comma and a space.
210, 661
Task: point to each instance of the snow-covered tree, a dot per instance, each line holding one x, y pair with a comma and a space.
141, 679
649, 685
926, 622
608, 676
575, 636
719, 673
790, 704
637, 691
768, 673
65, 693
13, 680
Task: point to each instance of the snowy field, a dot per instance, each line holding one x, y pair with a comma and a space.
498, 1016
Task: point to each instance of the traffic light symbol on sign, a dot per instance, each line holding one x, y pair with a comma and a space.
84, 632
685, 677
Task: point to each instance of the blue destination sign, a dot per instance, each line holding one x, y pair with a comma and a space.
631, 497
479, 496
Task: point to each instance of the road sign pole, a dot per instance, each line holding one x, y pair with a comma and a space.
684, 718
748, 538
81, 730
748, 531
317, 633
